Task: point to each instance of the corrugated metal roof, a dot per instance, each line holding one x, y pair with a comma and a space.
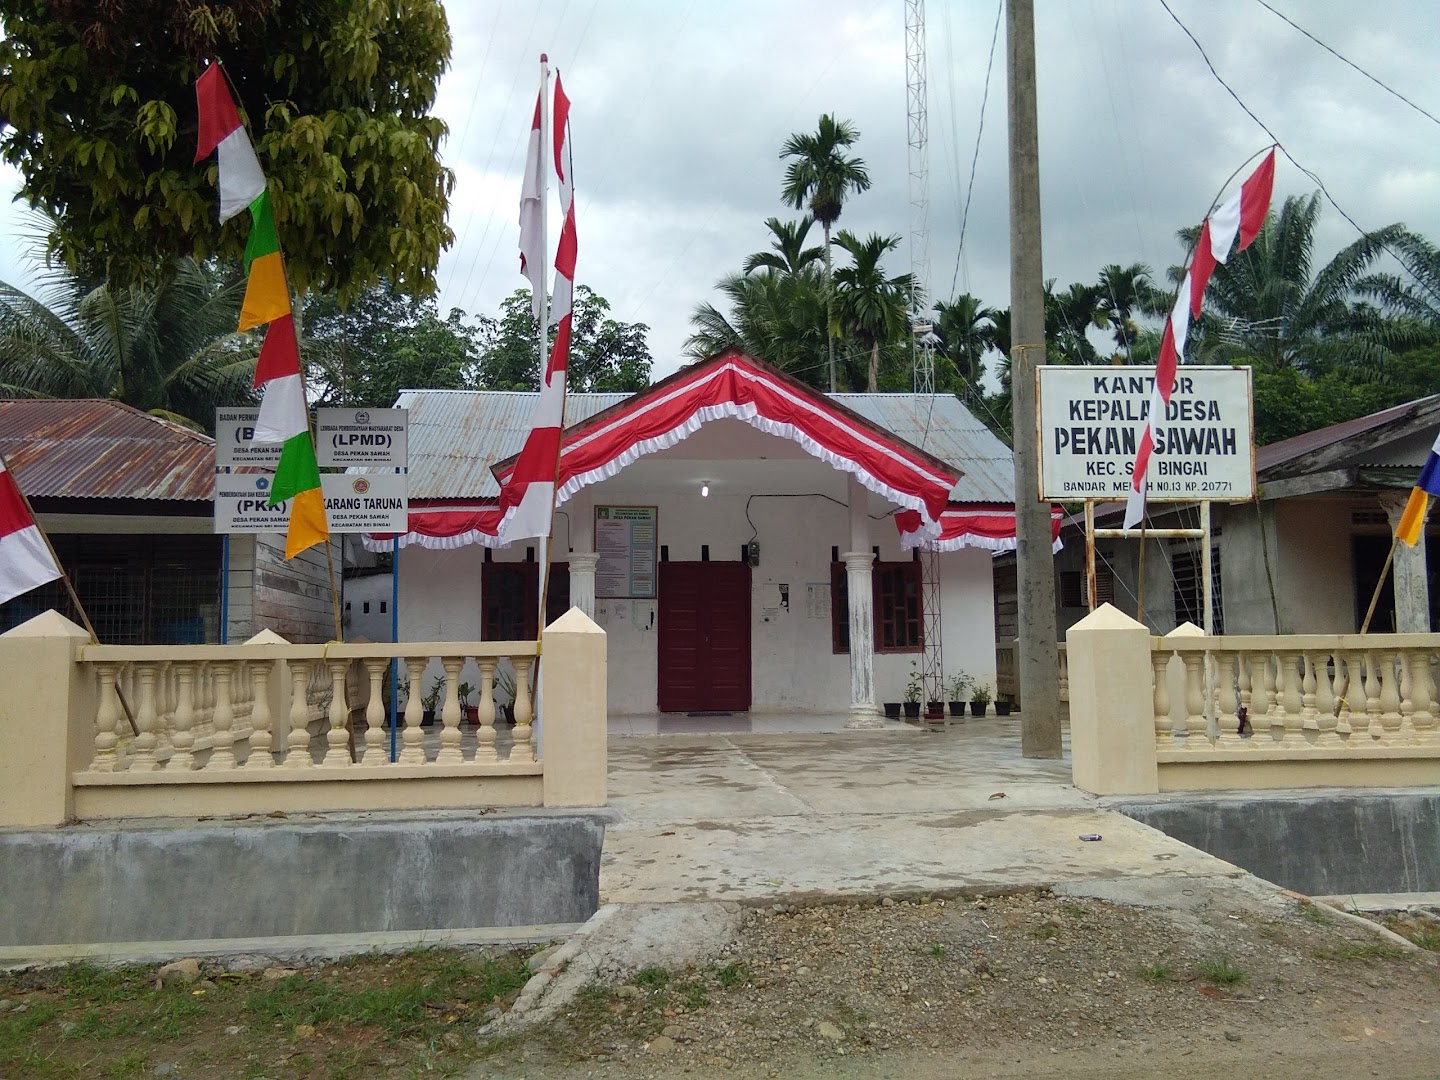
942, 426
456, 435
98, 449
1273, 456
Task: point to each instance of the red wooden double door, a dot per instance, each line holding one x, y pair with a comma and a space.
703, 634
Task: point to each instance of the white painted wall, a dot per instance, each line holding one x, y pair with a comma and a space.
793, 667
372, 590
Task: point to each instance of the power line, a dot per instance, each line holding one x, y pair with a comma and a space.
1345, 59
1418, 279
980, 130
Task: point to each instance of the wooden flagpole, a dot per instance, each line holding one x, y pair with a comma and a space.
69, 585
1379, 585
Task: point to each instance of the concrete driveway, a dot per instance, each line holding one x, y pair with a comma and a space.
745, 816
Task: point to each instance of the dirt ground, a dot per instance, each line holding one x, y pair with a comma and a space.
1022, 985
1012, 986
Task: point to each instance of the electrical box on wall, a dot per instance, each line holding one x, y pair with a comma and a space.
752, 553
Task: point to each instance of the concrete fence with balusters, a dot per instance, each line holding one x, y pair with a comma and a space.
109, 731
1190, 712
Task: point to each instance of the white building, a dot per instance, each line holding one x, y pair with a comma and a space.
716, 525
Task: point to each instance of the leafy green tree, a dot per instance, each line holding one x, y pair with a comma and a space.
167, 347
777, 317
386, 341
97, 111
1271, 304
869, 305
606, 354
966, 329
819, 178
788, 253
1069, 316
1125, 292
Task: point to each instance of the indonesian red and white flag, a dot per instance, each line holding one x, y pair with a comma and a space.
1243, 213
532, 215
527, 501
25, 559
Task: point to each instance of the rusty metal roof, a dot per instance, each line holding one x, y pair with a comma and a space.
1268, 459
456, 435
99, 449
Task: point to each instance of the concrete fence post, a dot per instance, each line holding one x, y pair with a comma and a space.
573, 688
1112, 722
279, 686
47, 720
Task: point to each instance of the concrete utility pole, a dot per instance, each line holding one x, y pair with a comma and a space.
1037, 656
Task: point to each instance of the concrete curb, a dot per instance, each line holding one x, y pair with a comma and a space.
316, 946
526, 1008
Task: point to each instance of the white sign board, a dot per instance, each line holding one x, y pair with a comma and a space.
372, 502
241, 504
1091, 419
235, 440
373, 437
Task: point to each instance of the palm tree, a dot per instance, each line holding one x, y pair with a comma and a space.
1068, 318
819, 177
777, 317
1124, 292
168, 348
788, 253
870, 305
1269, 304
966, 329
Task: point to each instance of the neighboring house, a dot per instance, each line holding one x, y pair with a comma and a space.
126, 498
1303, 559
739, 513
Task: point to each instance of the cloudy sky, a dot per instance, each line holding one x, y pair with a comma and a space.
680, 108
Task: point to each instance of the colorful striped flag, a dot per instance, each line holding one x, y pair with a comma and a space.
1243, 213
1412, 522
25, 559
527, 501
532, 215
284, 416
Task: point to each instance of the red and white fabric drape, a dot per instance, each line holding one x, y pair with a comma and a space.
988, 526
1243, 213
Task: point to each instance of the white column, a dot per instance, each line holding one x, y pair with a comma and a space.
582, 581
1412, 587
582, 552
859, 570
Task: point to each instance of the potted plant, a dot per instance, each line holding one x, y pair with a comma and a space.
959, 685
892, 710
1003, 704
979, 699
430, 701
912, 693
505, 688
469, 714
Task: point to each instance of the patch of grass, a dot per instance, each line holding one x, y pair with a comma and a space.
1312, 913
732, 975
1421, 929
692, 995
1157, 972
1220, 971
372, 1015
1074, 910
1044, 933
937, 949
847, 1016
652, 978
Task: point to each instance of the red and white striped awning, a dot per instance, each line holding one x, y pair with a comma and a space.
728, 386
979, 525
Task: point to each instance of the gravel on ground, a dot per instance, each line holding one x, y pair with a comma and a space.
917, 987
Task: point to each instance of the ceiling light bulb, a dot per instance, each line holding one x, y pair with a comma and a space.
705, 490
